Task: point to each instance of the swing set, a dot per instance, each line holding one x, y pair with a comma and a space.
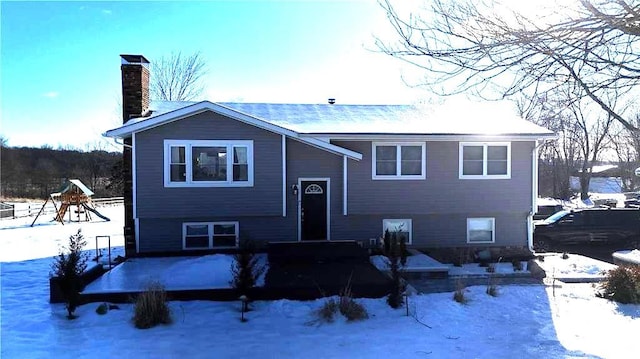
74, 197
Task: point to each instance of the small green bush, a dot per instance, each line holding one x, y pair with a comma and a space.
102, 309
245, 268
68, 266
622, 285
393, 252
151, 307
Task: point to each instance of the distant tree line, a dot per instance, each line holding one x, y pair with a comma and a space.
27, 172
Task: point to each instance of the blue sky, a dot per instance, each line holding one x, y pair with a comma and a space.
60, 64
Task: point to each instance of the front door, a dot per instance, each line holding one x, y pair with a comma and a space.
313, 210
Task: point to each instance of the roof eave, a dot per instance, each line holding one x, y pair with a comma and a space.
430, 137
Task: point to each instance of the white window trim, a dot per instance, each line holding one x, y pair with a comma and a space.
408, 220
398, 175
493, 229
210, 233
484, 160
188, 144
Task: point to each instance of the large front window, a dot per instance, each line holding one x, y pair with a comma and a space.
485, 160
209, 235
398, 160
208, 163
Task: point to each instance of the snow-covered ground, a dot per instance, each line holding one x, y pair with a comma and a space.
628, 256
523, 321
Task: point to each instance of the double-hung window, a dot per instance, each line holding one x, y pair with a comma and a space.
485, 160
481, 230
209, 235
204, 163
398, 160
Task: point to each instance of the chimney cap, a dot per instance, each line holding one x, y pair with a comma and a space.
133, 59
332, 101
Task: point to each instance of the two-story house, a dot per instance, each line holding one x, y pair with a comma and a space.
205, 174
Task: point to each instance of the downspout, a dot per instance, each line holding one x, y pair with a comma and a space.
284, 176
534, 192
134, 190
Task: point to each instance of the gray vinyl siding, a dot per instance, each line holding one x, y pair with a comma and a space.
436, 230
442, 191
165, 235
440, 204
304, 161
156, 201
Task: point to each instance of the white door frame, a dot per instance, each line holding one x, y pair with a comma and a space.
328, 200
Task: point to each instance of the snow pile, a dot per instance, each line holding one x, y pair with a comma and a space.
628, 257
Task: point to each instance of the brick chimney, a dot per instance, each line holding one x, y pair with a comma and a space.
135, 86
135, 102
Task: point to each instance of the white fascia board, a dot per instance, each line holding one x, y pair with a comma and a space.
127, 130
432, 137
329, 147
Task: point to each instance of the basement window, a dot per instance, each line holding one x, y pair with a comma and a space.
209, 235
401, 228
481, 230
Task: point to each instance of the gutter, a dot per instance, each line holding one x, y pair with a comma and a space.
115, 139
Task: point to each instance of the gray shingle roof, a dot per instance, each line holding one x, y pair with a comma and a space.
475, 119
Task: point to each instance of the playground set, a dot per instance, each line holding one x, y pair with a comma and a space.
74, 198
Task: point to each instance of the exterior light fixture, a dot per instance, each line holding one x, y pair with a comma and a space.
294, 189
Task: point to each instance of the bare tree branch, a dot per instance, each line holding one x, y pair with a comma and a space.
178, 78
486, 48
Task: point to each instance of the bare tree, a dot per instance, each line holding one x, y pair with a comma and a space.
178, 78
583, 135
626, 146
593, 136
485, 45
557, 159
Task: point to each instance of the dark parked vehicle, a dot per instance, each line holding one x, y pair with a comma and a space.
612, 226
544, 211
